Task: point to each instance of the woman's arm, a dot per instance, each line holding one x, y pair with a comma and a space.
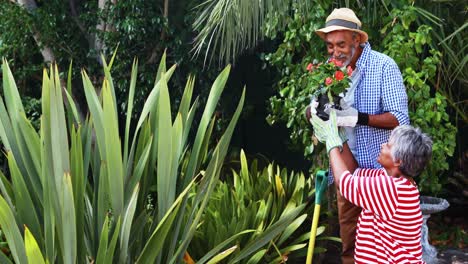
341, 162
348, 158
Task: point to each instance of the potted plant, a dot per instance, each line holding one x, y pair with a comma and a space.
323, 81
327, 84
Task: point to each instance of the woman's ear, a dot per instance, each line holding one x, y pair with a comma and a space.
397, 163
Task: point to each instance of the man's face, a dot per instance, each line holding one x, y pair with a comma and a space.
341, 46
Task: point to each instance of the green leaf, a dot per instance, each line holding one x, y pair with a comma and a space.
161, 68
268, 234
68, 221
166, 184
102, 207
215, 92
138, 171
184, 106
7, 190
127, 224
25, 208
257, 257
29, 146
12, 233
210, 179
33, 251
113, 150
150, 103
103, 241
96, 113
108, 78
155, 243
222, 245
291, 228
131, 95
222, 255
12, 97
78, 185
72, 109
4, 259
113, 243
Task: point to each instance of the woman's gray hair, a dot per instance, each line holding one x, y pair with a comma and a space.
412, 148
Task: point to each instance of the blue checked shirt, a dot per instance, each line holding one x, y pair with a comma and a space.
380, 89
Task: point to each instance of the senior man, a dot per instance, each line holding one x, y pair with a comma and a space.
389, 226
375, 103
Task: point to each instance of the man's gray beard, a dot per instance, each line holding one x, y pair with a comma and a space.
348, 61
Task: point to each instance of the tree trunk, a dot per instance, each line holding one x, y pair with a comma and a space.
75, 16
156, 49
46, 51
102, 26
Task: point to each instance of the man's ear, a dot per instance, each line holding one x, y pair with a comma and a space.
357, 40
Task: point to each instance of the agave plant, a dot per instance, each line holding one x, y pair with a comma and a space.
75, 193
259, 215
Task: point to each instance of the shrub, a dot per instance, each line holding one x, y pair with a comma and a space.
79, 194
259, 215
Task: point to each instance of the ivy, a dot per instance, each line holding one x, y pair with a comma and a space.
428, 107
296, 51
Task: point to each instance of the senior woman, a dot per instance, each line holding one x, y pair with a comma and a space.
389, 226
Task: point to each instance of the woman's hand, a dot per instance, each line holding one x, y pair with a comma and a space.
327, 131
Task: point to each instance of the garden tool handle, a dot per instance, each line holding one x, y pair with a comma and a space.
321, 183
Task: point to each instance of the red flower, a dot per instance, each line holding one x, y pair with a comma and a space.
339, 75
350, 70
310, 67
328, 81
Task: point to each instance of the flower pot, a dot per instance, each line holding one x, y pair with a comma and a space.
324, 103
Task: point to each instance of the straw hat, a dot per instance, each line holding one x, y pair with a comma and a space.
342, 19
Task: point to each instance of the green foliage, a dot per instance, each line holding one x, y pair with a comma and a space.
296, 51
227, 28
70, 30
79, 194
257, 210
318, 79
32, 108
410, 47
408, 44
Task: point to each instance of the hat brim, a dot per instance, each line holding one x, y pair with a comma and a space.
323, 32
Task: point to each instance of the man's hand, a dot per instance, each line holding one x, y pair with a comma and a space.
327, 131
346, 117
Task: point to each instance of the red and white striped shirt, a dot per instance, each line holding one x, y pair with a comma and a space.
389, 227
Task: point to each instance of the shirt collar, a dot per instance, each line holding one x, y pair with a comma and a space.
364, 56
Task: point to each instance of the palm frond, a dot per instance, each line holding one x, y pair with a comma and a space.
228, 27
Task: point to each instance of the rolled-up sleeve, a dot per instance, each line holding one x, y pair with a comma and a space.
394, 97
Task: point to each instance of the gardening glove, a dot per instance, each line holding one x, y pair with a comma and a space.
327, 131
312, 107
343, 135
346, 117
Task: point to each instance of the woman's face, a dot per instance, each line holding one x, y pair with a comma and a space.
385, 156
